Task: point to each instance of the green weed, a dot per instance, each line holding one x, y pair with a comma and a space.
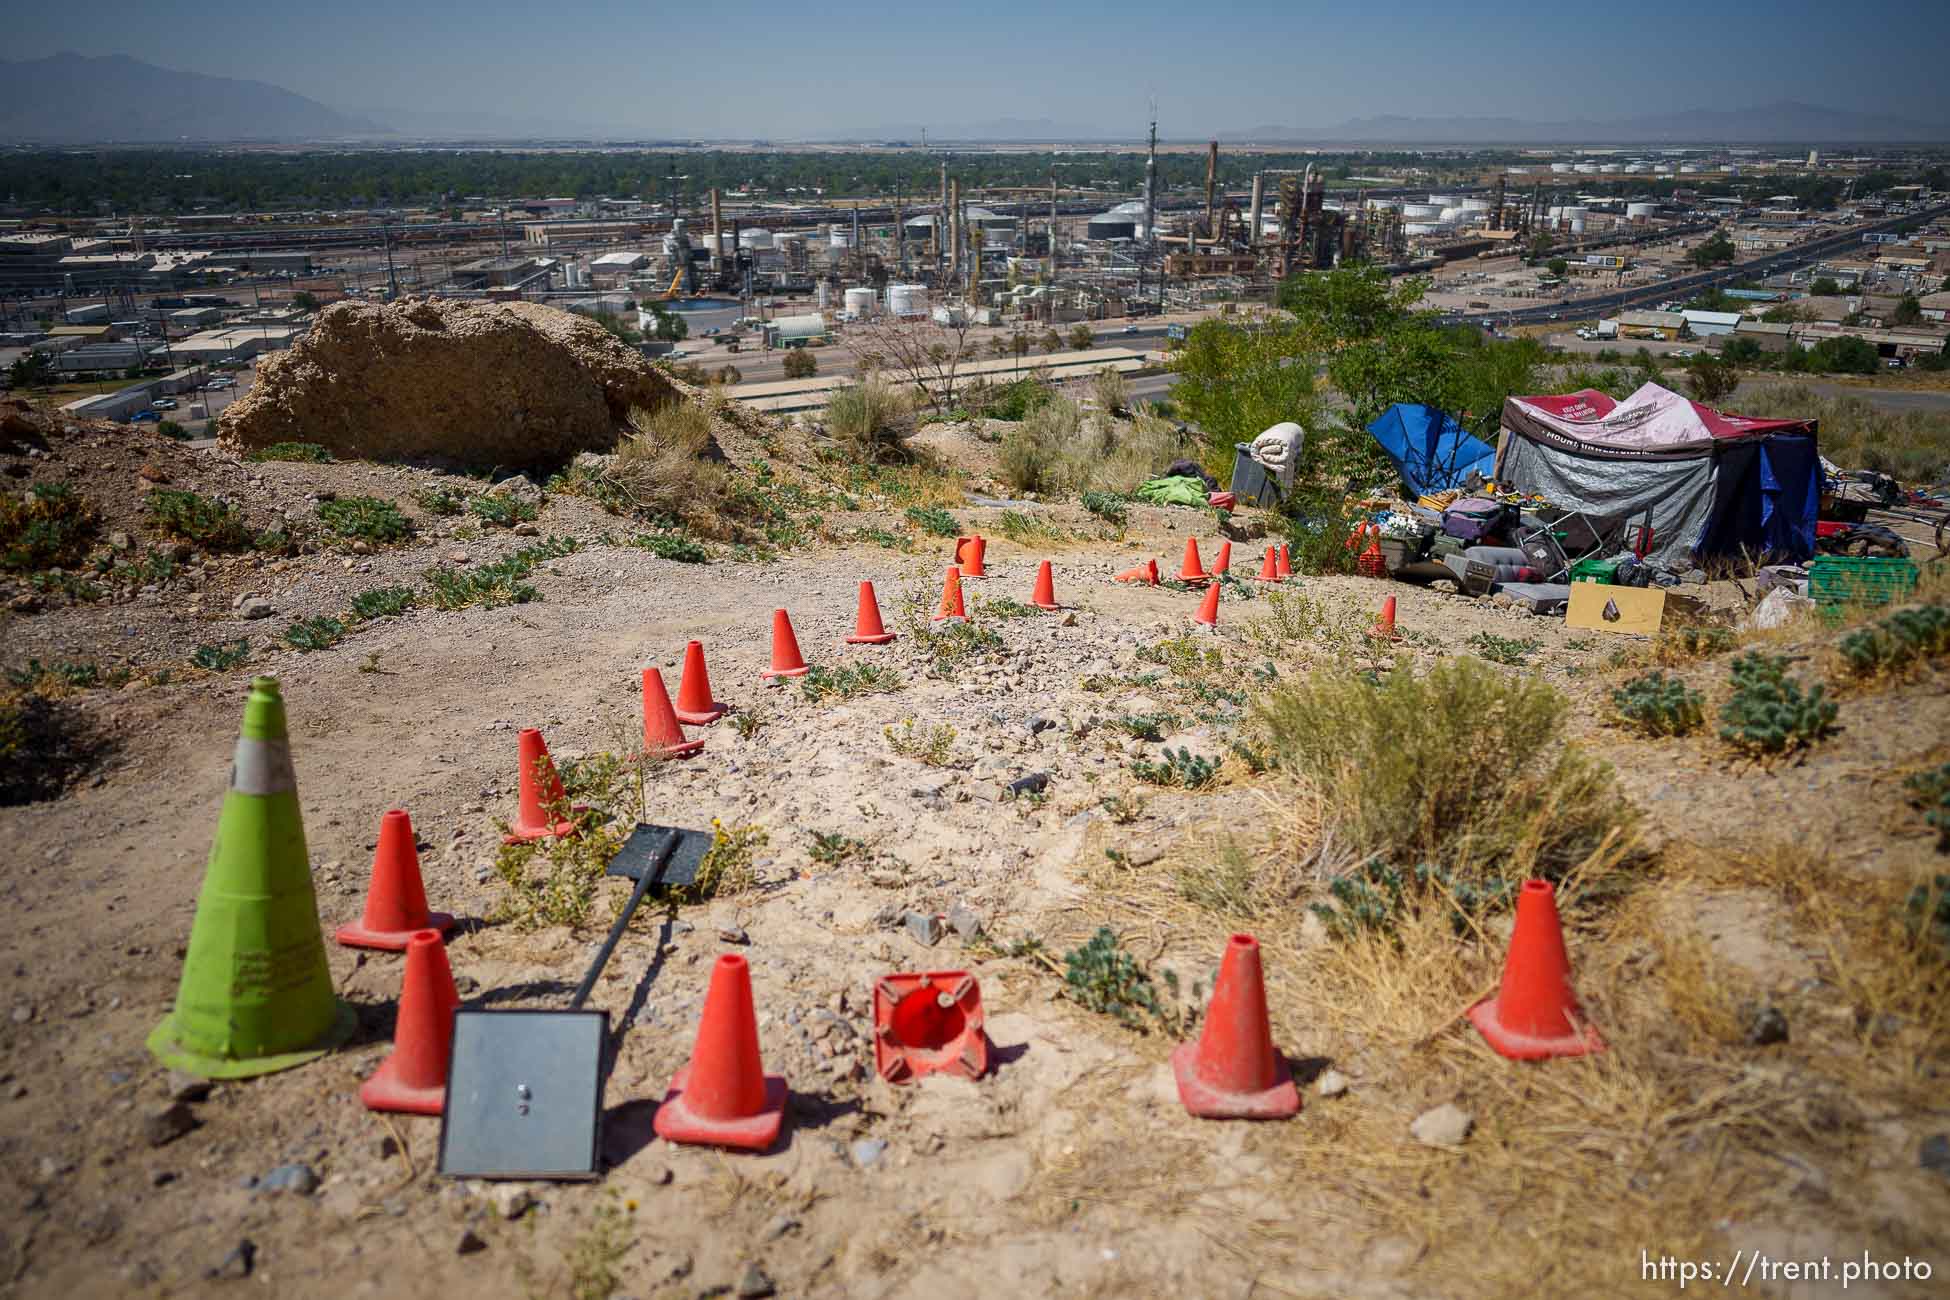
213, 525
1100, 976
364, 519
310, 453
849, 682
1658, 705
318, 633
1769, 712
932, 519
383, 602
666, 546
830, 848
1897, 640
50, 526
1930, 792
1180, 768
441, 500
933, 745
1108, 506
501, 511
1503, 649
499, 583
223, 655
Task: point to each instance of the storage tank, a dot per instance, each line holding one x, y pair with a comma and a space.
1688, 169
1475, 205
1639, 211
823, 295
907, 300
840, 237
1415, 229
1440, 201
1608, 169
1421, 211
1112, 225
1450, 216
1573, 212
756, 238
1560, 168
1577, 225
859, 301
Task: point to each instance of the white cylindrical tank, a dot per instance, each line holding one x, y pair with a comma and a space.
1421, 211
1638, 210
758, 238
1586, 169
840, 238
1442, 200
1560, 168
1573, 212
823, 295
1450, 216
1608, 169
907, 300
1475, 205
859, 301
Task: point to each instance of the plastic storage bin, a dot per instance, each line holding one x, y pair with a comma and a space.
1250, 481
1835, 581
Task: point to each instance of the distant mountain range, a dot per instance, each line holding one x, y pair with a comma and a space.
73, 99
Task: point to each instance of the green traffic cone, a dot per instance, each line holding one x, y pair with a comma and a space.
256, 995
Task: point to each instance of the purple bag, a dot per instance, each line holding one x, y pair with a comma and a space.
1472, 519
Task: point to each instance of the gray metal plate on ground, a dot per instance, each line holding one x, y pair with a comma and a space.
640, 851
524, 1094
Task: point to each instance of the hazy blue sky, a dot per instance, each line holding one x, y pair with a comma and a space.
743, 68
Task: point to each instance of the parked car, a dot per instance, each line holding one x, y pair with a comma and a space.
163, 404
1682, 354
1130, 329
146, 417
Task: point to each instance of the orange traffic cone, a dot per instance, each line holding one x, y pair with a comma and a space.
1208, 609
1384, 628
786, 659
414, 1077
1224, 561
1285, 569
1044, 597
663, 737
867, 628
969, 553
541, 789
724, 1097
1233, 1071
951, 610
929, 1024
1192, 569
1146, 573
1535, 1014
396, 900
1269, 568
695, 707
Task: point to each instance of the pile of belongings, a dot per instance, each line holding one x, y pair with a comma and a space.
1184, 484
1278, 452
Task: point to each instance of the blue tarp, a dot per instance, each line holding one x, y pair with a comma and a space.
1430, 449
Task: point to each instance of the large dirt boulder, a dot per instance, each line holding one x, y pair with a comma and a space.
513, 384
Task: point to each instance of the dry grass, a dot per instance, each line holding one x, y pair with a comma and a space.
1057, 448
660, 465
1682, 1138
1914, 446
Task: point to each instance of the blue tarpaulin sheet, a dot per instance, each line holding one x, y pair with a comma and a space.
1430, 449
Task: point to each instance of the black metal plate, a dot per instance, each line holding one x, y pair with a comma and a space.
646, 841
492, 1128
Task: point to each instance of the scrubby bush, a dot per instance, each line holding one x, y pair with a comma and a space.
49, 526
661, 466
383, 602
871, 421
800, 363
1658, 705
500, 510
1056, 448
1897, 640
1108, 390
1464, 769
1929, 792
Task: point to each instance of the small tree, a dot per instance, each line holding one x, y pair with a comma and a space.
32, 370
1051, 341
1710, 378
304, 301
1908, 312
1716, 250
671, 327
923, 352
1559, 267
1824, 287
1540, 245
800, 363
1081, 336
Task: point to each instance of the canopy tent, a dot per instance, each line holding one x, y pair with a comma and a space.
1430, 449
1691, 484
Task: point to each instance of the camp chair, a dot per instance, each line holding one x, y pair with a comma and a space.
1554, 547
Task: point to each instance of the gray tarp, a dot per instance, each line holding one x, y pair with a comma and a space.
1617, 492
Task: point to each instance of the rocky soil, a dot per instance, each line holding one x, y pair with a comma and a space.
126, 1180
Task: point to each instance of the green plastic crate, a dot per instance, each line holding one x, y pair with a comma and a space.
1836, 581
1594, 570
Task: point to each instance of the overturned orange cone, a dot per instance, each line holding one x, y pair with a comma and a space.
724, 1097
396, 898
663, 737
786, 659
1146, 573
414, 1078
1535, 1015
695, 707
1269, 568
1192, 569
541, 790
867, 627
969, 554
1208, 609
1384, 628
1044, 597
952, 610
928, 1024
1233, 1071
